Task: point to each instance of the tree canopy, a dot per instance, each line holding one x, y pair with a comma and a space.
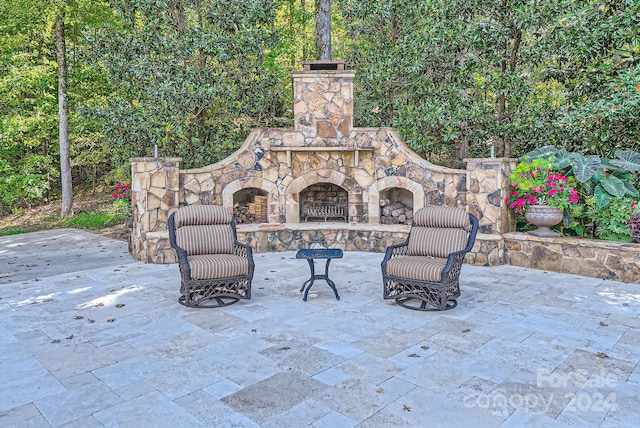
454, 77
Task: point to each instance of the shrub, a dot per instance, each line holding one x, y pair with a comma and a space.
611, 222
122, 200
634, 223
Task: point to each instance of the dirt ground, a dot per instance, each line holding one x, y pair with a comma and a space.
45, 217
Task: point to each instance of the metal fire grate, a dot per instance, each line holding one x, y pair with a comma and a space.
326, 211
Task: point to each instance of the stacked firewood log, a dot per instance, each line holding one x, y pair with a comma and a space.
241, 214
251, 212
395, 212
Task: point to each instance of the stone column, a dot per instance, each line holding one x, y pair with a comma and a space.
488, 186
155, 183
323, 103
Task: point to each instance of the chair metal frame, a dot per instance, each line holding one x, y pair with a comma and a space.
212, 292
427, 295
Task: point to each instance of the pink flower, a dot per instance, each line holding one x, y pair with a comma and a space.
539, 186
122, 191
573, 196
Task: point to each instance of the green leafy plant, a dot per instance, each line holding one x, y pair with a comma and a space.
611, 222
634, 223
538, 182
605, 179
12, 232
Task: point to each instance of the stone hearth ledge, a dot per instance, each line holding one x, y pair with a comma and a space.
267, 237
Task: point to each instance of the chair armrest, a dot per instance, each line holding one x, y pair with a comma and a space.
453, 259
243, 250
396, 250
392, 251
182, 261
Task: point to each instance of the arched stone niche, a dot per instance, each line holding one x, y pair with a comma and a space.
261, 185
388, 183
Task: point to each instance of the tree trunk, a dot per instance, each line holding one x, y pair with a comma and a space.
462, 148
323, 29
508, 65
63, 114
305, 49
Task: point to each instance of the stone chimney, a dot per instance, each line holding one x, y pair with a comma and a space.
323, 103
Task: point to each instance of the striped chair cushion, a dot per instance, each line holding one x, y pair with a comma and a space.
441, 216
436, 242
198, 215
211, 239
416, 267
217, 266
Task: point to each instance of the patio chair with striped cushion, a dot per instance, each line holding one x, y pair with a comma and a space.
216, 270
423, 272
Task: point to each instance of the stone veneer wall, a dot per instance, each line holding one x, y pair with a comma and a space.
488, 249
290, 237
154, 189
154, 196
323, 107
589, 257
378, 160
488, 182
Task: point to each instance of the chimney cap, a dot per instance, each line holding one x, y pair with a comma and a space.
323, 64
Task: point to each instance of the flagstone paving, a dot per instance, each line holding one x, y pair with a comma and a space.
91, 338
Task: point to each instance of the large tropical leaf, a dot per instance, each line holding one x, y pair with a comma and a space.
541, 153
606, 164
624, 175
630, 188
599, 177
602, 197
562, 158
614, 186
627, 159
584, 167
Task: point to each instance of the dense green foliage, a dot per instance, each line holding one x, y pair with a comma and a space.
455, 77
12, 232
186, 76
29, 150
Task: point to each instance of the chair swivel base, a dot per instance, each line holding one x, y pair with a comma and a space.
417, 304
212, 302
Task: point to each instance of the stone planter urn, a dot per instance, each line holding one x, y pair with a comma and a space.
544, 217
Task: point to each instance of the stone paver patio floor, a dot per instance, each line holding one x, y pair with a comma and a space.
92, 338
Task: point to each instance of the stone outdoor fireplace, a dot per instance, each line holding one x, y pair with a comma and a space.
323, 168
322, 181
